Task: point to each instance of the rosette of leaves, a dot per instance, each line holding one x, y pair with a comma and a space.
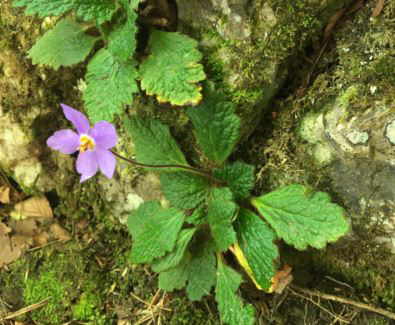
171, 71
185, 243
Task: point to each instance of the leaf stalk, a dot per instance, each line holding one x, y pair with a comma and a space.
188, 168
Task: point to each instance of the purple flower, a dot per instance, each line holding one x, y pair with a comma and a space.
92, 143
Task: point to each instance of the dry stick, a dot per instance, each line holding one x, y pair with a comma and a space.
43, 246
378, 9
357, 304
25, 310
147, 303
319, 306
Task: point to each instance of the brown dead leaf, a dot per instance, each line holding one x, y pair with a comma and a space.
21, 242
4, 229
4, 194
34, 207
8, 253
123, 322
26, 227
379, 8
41, 239
14, 240
59, 233
281, 279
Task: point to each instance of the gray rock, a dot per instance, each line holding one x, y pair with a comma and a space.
351, 136
248, 44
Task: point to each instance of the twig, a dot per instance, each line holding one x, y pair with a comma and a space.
25, 310
378, 9
347, 301
339, 282
149, 305
152, 314
43, 246
154, 299
319, 306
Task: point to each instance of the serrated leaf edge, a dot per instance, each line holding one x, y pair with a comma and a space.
303, 247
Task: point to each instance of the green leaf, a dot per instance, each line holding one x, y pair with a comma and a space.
175, 278
239, 176
154, 230
99, 10
154, 143
184, 190
133, 4
256, 241
44, 8
110, 85
201, 270
122, 41
197, 269
172, 259
302, 217
221, 213
198, 215
171, 72
64, 45
216, 126
230, 306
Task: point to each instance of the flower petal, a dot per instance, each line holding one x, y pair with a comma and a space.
104, 134
79, 120
66, 141
106, 162
87, 164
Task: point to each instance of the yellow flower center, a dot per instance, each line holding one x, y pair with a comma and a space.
86, 142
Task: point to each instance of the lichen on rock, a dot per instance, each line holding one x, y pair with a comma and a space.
350, 109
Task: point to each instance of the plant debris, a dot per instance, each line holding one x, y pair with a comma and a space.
4, 194
31, 225
281, 279
37, 207
378, 9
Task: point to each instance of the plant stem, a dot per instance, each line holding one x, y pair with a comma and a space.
188, 168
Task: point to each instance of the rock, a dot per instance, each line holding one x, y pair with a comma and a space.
347, 133
122, 197
353, 133
20, 152
248, 45
348, 130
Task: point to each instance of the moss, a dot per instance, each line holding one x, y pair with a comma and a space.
189, 313
56, 276
385, 69
12, 283
48, 286
358, 76
368, 267
72, 280
87, 309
